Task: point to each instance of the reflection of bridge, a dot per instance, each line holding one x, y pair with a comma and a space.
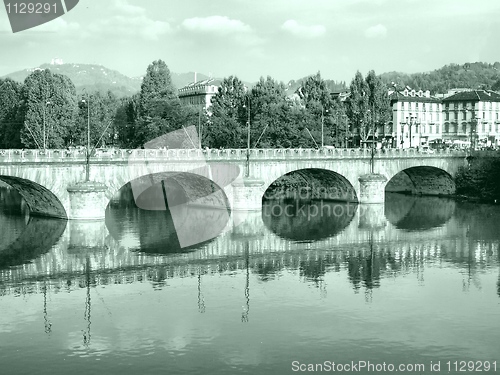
43, 178
387, 249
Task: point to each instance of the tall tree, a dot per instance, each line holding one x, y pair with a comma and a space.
48, 109
229, 115
358, 106
156, 88
97, 111
10, 125
378, 102
271, 120
318, 103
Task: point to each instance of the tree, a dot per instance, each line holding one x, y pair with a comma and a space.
271, 124
318, 102
98, 111
159, 110
125, 120
378, 101
10, 126
229, 115
156, 87
358, 105
48, 109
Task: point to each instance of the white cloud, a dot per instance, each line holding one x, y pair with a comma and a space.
215, 24
58, 25
295, 28
377, 31
130, 20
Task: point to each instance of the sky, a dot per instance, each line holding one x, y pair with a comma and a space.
284, 39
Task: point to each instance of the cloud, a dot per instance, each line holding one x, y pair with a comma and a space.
295, 28
215, 24
222, 26
377, 31
130, 20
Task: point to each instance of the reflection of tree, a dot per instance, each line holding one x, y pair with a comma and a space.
480, 219
307, 221
411, 212
37, 238
365, 269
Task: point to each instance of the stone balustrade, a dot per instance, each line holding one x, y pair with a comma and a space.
13, 156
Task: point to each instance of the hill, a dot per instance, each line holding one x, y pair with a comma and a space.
332, 85
92, 77
476, 75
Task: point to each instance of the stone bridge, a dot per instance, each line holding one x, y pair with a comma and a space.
50, 182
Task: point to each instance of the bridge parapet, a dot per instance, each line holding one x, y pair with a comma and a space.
136, 155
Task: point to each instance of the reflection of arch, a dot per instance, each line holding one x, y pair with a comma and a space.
40, 200
318, 183
156, 190
418, 213
37, 238
422, 180
307, 222
178, 212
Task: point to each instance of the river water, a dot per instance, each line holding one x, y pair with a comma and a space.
414, 282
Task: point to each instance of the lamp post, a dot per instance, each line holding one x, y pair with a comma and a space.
87, 164
247, 166
413, 121
44, 126
323, 126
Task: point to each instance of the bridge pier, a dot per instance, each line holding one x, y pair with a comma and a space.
247, 194
87, 201
372, 188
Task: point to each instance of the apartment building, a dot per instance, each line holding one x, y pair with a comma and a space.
472, 115
416, 118
199, 93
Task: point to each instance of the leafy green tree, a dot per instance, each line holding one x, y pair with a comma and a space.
316, 96
227, 126
378, 101
340, 123
271, 125
358, 105
48, 109
10, 125
156, 88
97, 111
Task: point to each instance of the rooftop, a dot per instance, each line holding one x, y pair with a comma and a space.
474, 95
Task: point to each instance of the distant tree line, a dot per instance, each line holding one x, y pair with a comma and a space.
476, 75
45, 111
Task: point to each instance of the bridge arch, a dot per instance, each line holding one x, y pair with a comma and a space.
320, 183
195, 211
424, 180
40, 200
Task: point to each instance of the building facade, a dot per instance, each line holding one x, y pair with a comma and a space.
472, 117
199, 93
416, 118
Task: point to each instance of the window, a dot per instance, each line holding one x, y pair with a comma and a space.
447, 116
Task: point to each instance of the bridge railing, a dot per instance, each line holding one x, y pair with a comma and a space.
228, 154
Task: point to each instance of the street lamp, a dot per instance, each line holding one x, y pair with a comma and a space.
44, 126
413, 121
247, 167
87, 165
323, 126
